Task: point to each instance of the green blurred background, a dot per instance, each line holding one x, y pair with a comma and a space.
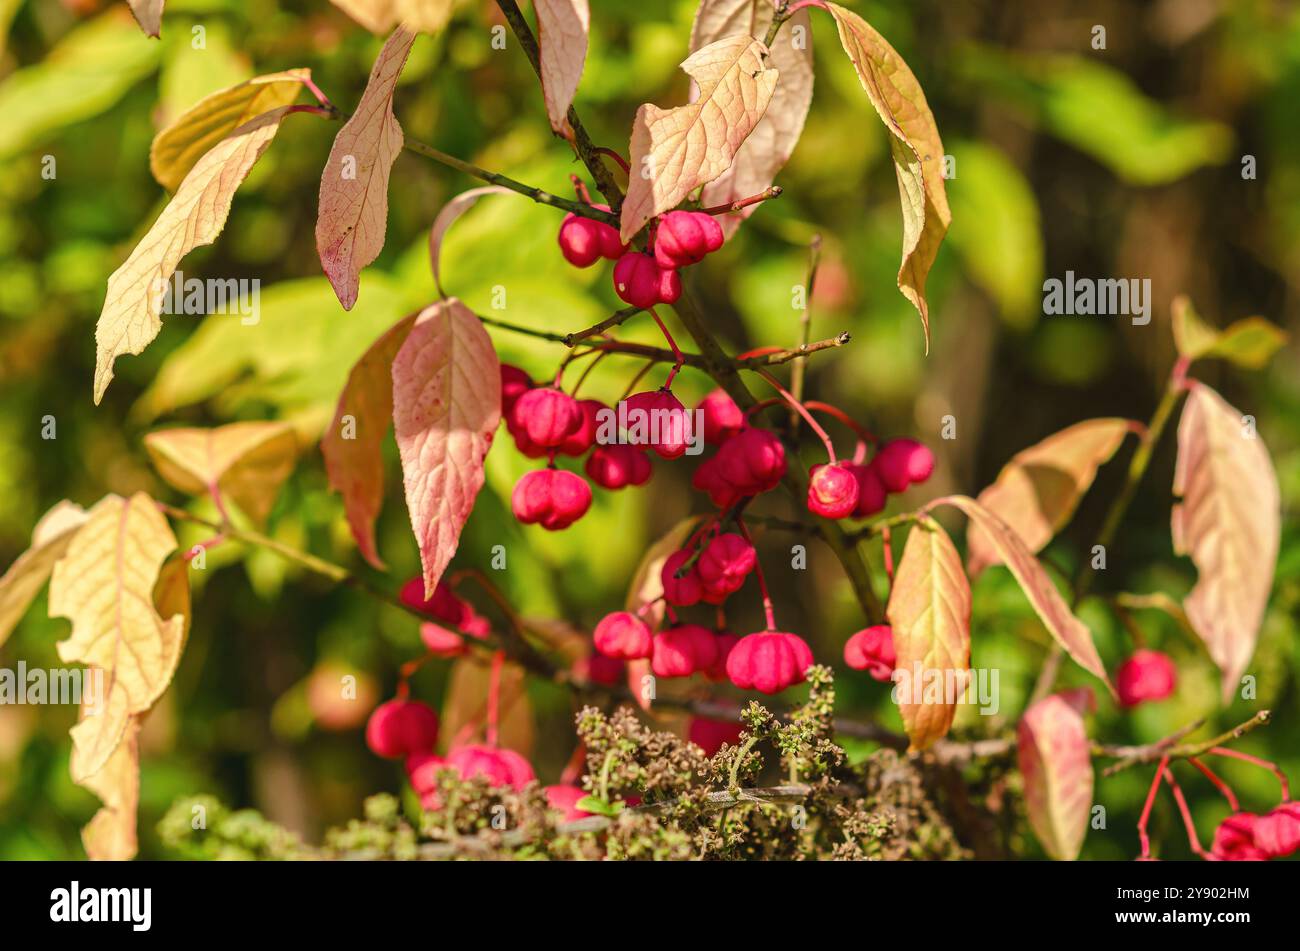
1122, 162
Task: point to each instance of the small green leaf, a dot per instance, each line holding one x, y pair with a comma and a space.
599, 807
1249, 343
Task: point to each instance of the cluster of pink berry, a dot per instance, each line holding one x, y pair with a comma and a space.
447, 607
545, 422
408, 730
677, 239
768, 661
1247, 837
855, 490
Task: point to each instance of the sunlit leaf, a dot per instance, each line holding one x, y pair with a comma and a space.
104, 585
675, 151
1056, 763
446, 407
929, 610
1068, 631
1229, 522
353, 214
28, 574
562, 27
131, 317
770, 145
1250, 342
244, 462
352, 445
914, 144
1037, 492
177, 148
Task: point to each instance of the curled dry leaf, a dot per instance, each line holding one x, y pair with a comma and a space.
447, 217
243, 462
929, 610
353, 443
675, 151
177, 148
1071, 633
148, 13
130, 319
352, 216
1229, 522
770, 145
1037, 492
104, 585
465, 709
29, 572
1055, 760
914, 143
110, 834
562, 29
446, 407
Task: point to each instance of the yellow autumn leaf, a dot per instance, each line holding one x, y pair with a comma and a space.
914, 144
244, 462
675, 151
1038, 490
380, 16
131, 316
28, 574
1229, 521
770, 145
177, 148
110, 835
104, 585
929, 611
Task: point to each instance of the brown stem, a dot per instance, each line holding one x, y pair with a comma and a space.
1171, 747
582, 143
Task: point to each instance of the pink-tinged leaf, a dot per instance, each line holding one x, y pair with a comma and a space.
1055, 761
447, 217
353, 211
148, 13
914, 143
446, 407
353, 444
1071, 633
1229, 522
675, 151
1037, 492
562, 27
131, 317
769, 146
929, 610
